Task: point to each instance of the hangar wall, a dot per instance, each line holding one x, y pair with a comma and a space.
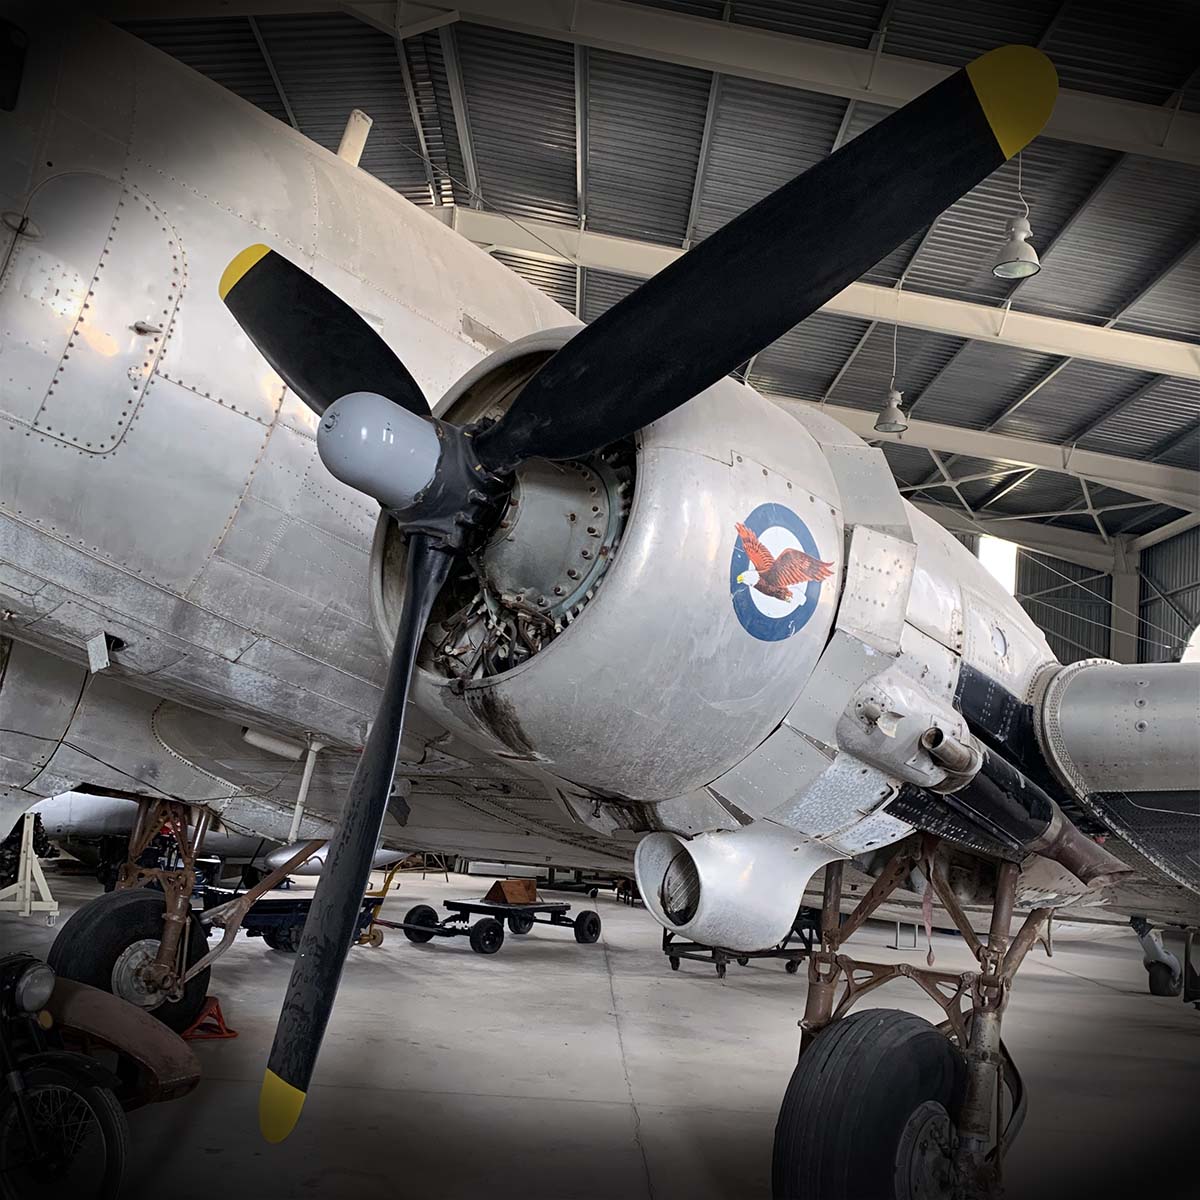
1071, 604
1170, 599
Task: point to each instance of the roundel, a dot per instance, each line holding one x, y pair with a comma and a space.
775, 573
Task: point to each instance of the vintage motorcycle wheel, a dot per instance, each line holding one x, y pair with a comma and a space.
82, 1134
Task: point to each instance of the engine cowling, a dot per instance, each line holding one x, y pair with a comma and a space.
705, 662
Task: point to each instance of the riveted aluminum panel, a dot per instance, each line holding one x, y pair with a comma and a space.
774, 776
879, 572
38, 694
645, 126
135, 286
842, 669
868, 491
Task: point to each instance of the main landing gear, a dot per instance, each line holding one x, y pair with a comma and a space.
883, 1104
142, 941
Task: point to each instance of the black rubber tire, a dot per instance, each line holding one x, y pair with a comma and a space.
792, 966
587, 927
421, 915
674, 963
1162, 982
520, 923
487, 936
849, 1099
110, 1122
285, 938
743, 962
89, 944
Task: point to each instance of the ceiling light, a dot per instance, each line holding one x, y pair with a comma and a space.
1017, 259
891, 419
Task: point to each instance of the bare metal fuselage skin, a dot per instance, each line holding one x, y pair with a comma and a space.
158, 484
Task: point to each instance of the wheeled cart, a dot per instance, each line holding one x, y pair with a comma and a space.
796, 947
422, 924
279, 920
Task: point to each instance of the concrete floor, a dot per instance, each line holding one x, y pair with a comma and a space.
578, 1072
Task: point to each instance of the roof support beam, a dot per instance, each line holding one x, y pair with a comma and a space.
462, 121
270, 65
1086, 549
582, 83
956, 318
1165, 485
734, 49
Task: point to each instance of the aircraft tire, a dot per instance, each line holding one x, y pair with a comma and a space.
1162, 981
90, 946
860, 1092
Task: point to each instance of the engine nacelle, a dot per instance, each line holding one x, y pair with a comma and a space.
658, 606
740, 889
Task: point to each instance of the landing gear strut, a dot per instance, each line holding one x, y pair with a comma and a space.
882, 1103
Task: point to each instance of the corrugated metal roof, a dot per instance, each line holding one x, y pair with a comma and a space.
1047, 491
1056, 178
690, 8
920, 358
1136, 225
1152, 421
1185, 454
980, 383
645, 126
330, 64
1170, 308
847, 23
910, 464
431, 88
1079, 393
602, 289
557, 280
762, 136
223, 48
956, 33
804, 362
520, 94
1143, 51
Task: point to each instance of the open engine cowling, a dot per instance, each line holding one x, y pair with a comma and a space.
704, 667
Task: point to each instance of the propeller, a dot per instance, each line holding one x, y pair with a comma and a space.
677, 334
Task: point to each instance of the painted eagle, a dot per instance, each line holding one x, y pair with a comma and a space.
777, 576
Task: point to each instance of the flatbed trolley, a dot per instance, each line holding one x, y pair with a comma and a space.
793, 950
422, 924
279, 920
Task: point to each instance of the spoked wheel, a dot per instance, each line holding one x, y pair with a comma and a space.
520, 922
487, 936
421, 915
81, 1135
109, 940
871, 1111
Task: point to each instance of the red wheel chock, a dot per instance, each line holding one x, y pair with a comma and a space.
209, 1025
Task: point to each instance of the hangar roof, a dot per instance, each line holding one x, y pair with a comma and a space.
567, 127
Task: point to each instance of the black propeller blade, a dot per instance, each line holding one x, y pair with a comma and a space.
319, 345
334, 914
747, 284
676, 335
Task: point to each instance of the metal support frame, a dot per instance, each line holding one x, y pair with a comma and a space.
270, 65
462, 120
30, 893
310, 762
414, 112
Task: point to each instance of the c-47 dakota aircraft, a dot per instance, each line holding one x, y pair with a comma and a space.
632, 612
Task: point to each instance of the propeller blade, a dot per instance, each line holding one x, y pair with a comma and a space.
319, 345
333, 917
749, 283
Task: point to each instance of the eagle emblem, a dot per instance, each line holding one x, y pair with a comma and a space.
775, 577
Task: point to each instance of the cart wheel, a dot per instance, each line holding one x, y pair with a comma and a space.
792, 966
587, 927
743, 962
374, 937
421, 915
487, 936
674, 963
593, 893
721, 968
520, 922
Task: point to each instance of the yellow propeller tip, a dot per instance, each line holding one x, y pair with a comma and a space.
239, 265
1016, 87
279, 1106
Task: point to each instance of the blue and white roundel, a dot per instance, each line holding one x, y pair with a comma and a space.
768, 604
